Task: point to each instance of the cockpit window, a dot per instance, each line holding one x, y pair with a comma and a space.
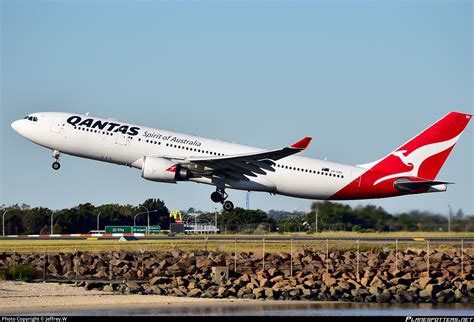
35, 119
31, 118
26, 117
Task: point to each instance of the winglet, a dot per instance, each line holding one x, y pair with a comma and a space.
301, 144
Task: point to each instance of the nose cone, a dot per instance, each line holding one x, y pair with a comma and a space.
16, 126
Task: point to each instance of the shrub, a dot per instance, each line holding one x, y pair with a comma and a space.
356, 228
21, 272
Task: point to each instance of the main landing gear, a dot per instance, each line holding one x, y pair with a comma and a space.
56, 165
220, 196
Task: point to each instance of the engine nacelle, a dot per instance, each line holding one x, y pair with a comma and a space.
163, 170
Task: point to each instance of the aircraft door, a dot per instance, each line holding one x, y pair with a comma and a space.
122, 139
57, 125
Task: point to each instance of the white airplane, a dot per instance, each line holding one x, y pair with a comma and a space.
165, 156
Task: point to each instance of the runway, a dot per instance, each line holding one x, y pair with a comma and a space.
468, 240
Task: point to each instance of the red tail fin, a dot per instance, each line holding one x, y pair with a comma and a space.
424, 155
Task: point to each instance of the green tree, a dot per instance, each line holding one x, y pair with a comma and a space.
36, 220
160, 214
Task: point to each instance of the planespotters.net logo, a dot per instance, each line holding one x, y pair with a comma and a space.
438, 319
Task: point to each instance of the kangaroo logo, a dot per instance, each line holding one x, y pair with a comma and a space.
417, 157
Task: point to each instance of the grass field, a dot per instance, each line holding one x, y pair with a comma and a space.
70, 246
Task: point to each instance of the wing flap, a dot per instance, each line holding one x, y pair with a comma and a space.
248, 164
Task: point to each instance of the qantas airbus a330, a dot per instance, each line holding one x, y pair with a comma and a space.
165, 156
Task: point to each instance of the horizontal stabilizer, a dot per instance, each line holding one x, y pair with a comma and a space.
407, 185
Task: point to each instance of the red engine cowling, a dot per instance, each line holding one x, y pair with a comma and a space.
163, 170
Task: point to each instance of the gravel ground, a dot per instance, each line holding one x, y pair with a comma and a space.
18, 297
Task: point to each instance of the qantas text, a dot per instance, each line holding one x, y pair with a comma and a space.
103, 125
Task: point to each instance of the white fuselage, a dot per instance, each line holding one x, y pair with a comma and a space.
296, 176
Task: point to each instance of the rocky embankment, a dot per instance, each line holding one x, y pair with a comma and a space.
306, 275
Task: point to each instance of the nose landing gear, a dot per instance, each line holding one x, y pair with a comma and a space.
220, 196
56, 165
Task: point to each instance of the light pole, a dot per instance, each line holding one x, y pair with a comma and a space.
52, 221
143, 212
98, 220
316, 221
215, 220
3, 220
147, 215
449, 219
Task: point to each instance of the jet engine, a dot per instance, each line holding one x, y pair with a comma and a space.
163, 170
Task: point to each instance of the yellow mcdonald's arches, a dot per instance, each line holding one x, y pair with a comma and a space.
176, 215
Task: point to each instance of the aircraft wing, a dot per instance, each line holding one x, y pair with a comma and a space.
238, 166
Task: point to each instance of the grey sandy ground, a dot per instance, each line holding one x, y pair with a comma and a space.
17, 297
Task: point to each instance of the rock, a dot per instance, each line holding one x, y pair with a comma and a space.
272, 272
263, 282
205, 262
445, 296
154, 280
328, 280
437, 257
174, 270
245, 277
108, 288
269, 293
222, 292
194, 293
425, 281
361, 292
295, 293
203, 283
133, 286
306, 292
377, 282
458, 294
258, 292
404, 295
54, 268
277, 279
309, 284
429, 291
395, 273
426, 294
354, 283
344, 285
384, 297
407, 276
374, 291
364, 281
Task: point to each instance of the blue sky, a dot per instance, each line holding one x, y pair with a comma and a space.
360, 77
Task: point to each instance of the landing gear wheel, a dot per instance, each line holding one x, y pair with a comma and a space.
56, 155
228, 206
216, 197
